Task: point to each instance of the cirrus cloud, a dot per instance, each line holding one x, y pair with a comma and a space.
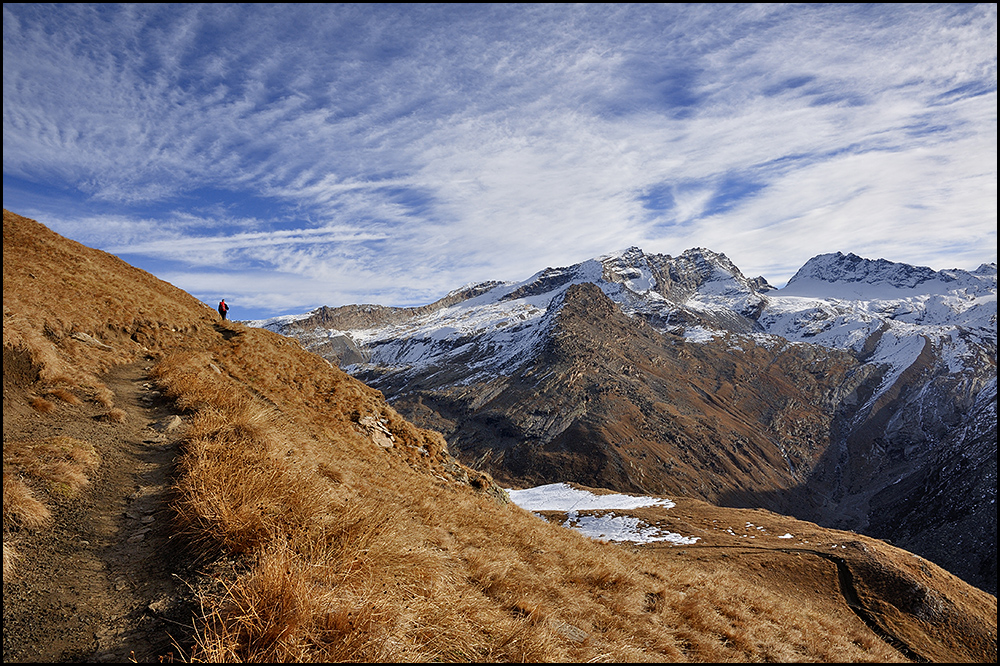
391, 153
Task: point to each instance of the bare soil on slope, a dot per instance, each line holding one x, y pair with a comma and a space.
104, 581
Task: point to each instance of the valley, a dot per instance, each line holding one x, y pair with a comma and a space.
851, 397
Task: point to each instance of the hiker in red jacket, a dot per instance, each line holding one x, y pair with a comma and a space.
223, 308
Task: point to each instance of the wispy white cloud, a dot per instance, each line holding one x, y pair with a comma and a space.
402, 151
258, 241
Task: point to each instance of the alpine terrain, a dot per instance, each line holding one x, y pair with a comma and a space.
861, 396
181, 487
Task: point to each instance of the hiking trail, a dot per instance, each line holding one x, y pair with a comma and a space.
105, 581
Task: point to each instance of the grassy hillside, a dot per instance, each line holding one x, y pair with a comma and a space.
331, 529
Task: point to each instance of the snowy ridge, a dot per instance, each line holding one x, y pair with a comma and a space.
491, 333
698, 280
494, 332
867, 278
276, 324
885, 312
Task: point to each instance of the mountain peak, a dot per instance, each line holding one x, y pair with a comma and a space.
704, 254
860, 274
693, 267
986, 270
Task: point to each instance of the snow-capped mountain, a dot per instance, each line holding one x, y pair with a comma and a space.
655, 373
897, 316
503, 322
841, 301
883, 311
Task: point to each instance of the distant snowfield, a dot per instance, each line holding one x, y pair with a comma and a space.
606, 527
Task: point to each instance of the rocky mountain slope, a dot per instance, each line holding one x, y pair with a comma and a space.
860, 395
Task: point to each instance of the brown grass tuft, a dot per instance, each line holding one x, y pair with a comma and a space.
10, 556
331, 473
20, 506
114, 415
41, 405
63, 463
65, 395
239, 490
104, 396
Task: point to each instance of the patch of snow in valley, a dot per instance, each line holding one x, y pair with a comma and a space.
623, 528
563, 497
608, 527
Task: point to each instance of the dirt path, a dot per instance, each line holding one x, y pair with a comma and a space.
846, 581
105, 583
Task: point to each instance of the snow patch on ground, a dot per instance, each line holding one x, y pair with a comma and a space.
622, 528
701, 334
604, 526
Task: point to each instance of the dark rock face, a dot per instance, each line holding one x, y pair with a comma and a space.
612, 402
946, 509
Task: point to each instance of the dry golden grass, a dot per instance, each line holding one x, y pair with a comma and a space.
20, 506
60, 465
41, 405
71, 313
79, 311
350, 552
114, 415
10, 556
63, 464
65, 395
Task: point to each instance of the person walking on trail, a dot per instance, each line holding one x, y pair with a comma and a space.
223, 308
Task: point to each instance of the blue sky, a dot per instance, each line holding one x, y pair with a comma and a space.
290, 156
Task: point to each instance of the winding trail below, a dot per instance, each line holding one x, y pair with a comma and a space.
845, 580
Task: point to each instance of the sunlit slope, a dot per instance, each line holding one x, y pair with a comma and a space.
348, 534
54, 288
